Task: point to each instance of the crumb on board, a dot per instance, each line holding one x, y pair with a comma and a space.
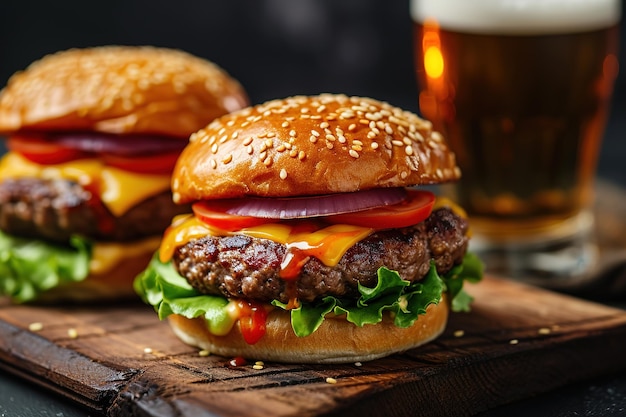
459, 333
513, 342
544, 330
35, 327
204, 353
72, 333
330, 380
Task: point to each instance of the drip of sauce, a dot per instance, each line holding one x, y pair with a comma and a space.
238, 361
105, 222
252, 320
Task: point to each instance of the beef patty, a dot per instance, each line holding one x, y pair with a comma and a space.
54, 210
246, 267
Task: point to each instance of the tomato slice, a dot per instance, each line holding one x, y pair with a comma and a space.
150, 164
43, 152
213, 213
416, 208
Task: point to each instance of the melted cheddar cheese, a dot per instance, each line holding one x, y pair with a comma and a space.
119, 190
328, 243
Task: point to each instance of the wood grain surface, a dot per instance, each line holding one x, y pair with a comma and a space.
121, 361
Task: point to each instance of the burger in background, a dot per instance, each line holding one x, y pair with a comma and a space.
307, 241
92, 136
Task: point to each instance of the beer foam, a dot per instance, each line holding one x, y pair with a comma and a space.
519, 17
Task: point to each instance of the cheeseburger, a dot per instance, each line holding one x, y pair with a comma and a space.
92, 136
308, 241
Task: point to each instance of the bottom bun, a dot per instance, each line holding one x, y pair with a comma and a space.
114, 281
336, 340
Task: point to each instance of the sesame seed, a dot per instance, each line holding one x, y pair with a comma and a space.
281, 148
234, 135
353, 153
257, 367
436, 136
439, 173
267, 162
293, 153
269, 143
247, 141
409, 150
513, 342
72, 333
544, 330
371, 135
374, 145
214, 148
249, 149
204, 353
329, 145
285, 124
315, 133
404, 174
263, 154
324, 125
321, 108
223, 139
227, 159
357, 142
292, 133
283, 174
301, 155
341, 138
397, 143
364, 122
313, 139
331, 380
406, 140
35, 327
330, 137
388, 129
352, 127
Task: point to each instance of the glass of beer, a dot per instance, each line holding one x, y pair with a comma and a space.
521, 89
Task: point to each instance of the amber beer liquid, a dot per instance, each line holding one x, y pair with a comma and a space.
523, 97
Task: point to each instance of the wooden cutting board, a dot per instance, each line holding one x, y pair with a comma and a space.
121, 361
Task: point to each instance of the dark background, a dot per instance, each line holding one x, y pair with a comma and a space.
275, 48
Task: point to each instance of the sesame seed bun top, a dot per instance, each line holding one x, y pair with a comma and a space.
311, 145
119, 89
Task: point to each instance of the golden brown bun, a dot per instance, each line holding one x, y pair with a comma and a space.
107, 285
311, 145
336, 340
119, 89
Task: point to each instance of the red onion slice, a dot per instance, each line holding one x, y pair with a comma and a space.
315, 206
134, 144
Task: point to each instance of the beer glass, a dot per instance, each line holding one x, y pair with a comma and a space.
521, 90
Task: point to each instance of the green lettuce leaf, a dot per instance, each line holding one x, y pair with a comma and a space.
29, 267
161, 286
